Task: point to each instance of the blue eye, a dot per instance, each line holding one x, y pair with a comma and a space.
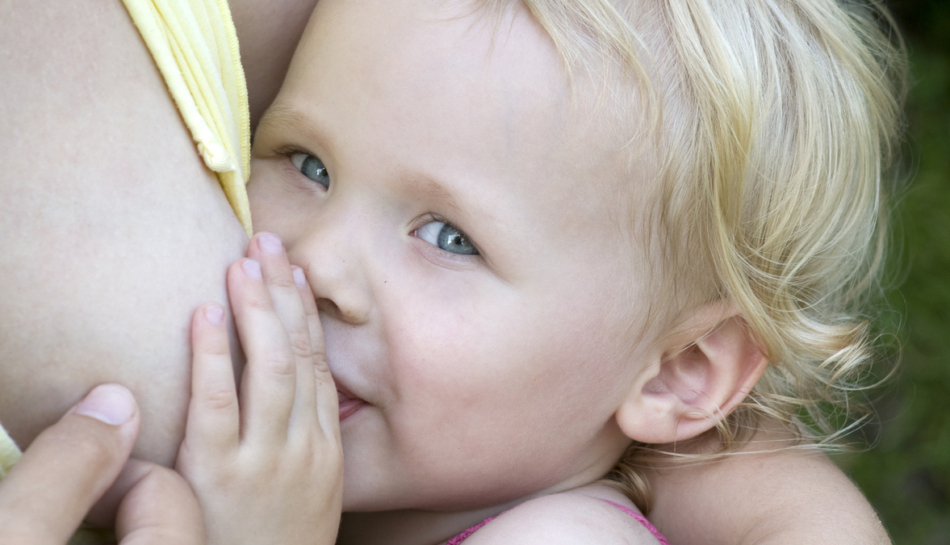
446, 237
312, 167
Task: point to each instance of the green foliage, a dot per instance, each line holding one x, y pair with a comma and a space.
906, 475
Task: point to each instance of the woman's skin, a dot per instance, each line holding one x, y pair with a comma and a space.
114, 230
268, 32
114, 233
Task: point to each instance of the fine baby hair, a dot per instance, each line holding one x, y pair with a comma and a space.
774, 124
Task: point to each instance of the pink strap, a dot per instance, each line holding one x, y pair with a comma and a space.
457, 540
641, 519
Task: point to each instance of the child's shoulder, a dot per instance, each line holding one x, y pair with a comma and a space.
590, 514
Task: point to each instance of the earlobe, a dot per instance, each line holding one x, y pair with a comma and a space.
701, 375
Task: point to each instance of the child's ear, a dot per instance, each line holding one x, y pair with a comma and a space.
702, 374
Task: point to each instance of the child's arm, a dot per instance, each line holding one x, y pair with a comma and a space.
789, 496
593, 513
266, 465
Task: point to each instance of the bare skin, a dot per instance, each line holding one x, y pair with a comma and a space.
120, 230
268, 32
763, 495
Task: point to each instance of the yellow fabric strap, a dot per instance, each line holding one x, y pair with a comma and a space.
9, 453
195, 47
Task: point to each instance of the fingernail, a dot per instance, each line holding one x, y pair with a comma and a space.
109, 403
252, 268
269, 244
300, 278
214, 314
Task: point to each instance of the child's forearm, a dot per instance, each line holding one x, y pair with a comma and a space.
789, 496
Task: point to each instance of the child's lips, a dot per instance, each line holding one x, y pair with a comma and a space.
349, 404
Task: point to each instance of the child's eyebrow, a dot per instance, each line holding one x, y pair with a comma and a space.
431, 190
281, 118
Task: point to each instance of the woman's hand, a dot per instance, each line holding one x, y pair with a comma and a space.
266, 464
74, 462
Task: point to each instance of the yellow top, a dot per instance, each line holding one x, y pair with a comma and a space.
9, 453
195, 47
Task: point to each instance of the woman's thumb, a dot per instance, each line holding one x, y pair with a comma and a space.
68, 467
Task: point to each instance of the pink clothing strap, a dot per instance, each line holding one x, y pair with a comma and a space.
642, 520
457, 540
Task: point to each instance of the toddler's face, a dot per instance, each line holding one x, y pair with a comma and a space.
459, 220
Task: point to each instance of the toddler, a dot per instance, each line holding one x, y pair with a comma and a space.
553, 241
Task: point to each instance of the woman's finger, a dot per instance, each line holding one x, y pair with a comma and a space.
157, 508
68, 467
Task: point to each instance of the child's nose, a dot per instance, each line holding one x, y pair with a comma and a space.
333, 267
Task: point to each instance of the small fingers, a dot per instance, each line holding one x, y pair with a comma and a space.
327, 404
288, 288
213, 425
317, 396
304, 420
268, 385
267, 249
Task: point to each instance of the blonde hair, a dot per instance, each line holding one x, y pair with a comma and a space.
775, 123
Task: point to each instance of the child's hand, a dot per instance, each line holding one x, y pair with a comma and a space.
266, 466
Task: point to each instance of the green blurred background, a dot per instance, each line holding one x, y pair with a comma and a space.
906, 473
